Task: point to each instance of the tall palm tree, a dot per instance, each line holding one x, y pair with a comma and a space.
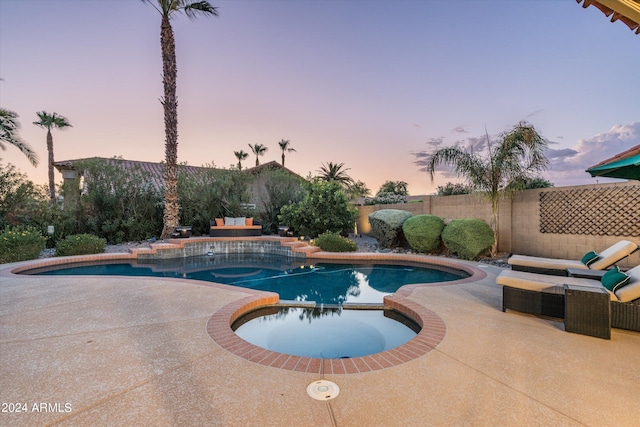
284, 146
167, 8
508, 163
258, 150
48, 121
9, 127
334, 172
240, 155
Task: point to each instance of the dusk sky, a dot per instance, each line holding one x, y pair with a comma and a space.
367, 83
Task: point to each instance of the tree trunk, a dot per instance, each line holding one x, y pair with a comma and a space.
170, 104
52, 184
494, 227
283, 159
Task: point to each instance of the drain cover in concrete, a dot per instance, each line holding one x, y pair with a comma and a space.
323, 390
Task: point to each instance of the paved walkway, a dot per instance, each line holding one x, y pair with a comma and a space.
135, 351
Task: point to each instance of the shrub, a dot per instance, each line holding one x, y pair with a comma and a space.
20, 244
333, 242
386, 226
423, 232
120, 203
385, 199
451, 189
208, 193
80, 244
325, 207
282, 188
468, 238
19, 198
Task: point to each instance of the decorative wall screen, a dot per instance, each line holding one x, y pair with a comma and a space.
610, 211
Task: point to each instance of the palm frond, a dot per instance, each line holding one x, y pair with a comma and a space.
192, 10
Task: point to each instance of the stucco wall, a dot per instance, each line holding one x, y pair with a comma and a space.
520, 224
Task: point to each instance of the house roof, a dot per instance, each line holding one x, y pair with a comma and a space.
156, 170
271, 165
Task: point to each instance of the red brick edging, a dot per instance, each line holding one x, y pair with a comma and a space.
432, 333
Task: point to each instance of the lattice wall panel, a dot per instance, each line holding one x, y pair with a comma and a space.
610, 211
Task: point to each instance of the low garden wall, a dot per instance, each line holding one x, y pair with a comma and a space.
563, 222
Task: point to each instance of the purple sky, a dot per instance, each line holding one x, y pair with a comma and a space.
365, 83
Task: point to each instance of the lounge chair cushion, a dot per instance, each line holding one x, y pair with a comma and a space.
229, 221
614, 279
589, 258
613, 254
608, 257
631, 291
219, 222
546, 263
545, 283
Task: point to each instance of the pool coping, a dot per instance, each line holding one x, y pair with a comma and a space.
218, 326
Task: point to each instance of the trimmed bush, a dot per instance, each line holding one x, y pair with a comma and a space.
325, 207
333, 242
20, 244
80, 244
468, 238
423, 232
386, 226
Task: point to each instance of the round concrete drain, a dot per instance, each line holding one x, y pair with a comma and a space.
323, 390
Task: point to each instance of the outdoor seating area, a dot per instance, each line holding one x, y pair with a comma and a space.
590, 261
235, 227
579, 301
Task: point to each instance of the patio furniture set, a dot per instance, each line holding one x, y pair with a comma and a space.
590, 299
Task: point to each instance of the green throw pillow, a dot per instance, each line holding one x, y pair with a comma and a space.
589, 258
614, 279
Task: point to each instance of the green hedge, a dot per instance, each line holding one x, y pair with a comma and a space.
333, 242
386, 226
423, 232
20, 244
468, 238
80, 244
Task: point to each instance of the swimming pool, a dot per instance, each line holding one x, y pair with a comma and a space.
325, 327
323, 283
325, 333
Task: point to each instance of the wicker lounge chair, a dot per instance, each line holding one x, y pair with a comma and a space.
558, 267
546, 295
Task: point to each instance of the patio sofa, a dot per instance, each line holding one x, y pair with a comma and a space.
549, 295
591, 260
234, 227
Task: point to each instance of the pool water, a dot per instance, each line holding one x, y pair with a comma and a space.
325, 333
329, 330
323, 283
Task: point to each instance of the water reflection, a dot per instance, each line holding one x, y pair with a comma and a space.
324, 283
325, 333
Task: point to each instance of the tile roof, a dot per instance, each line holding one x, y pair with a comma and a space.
156, 170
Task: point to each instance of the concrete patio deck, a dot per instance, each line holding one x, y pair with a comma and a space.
135, 351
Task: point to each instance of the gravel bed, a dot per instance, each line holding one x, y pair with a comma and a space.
364, 243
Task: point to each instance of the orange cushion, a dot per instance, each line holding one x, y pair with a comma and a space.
248, 221
219, 222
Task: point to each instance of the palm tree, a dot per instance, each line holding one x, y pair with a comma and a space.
395, 187
509, 162
9, 127
240, 155
334, 172
284, 146
48, 121
167, 8
258, 150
